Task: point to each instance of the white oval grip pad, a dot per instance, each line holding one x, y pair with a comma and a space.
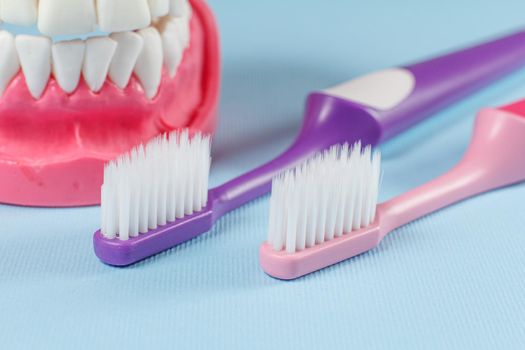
380, 90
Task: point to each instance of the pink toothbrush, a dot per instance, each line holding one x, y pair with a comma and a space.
372, 108
492, 161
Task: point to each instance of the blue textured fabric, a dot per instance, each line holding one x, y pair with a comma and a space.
452, 280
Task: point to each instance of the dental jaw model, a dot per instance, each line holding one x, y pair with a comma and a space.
99, 77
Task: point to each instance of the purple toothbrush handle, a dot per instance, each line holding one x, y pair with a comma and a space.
331, 119
446, 79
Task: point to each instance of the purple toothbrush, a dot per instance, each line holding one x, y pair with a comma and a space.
372, 109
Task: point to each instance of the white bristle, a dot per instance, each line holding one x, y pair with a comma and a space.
329, 195
155, 184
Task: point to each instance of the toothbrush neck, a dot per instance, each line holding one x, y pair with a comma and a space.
490, 162
258, 182
328, 120
463, 181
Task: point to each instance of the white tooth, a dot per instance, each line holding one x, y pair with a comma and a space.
34, 53
99, 52
179, 8
9, 64
123, 15
172, 48
66, 17
149, 63
67, 63
129, 47
183, 30
159, 8
19, 12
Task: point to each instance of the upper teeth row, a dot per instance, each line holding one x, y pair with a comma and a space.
74, 17
117, 56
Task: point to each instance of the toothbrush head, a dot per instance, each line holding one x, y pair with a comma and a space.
149, 189
327, 203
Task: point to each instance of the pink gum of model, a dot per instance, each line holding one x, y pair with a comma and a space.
53, 150
492, 161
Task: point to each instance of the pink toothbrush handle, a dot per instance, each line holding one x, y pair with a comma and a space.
491, 162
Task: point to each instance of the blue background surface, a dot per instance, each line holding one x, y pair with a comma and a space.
452, 280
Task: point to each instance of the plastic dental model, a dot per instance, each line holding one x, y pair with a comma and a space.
96, 79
